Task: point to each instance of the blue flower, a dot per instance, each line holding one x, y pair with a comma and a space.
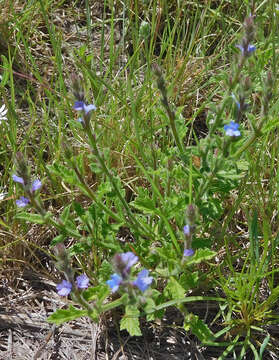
22, 201
114, 282
129, 259
246, 51
18, 179
123, 263
64, 288
232, 129
143, 280
81, 106
82, 281
36, 185
188, 252
186, 230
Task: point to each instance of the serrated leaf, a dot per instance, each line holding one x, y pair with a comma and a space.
104, 270
34, 218
174, 290
130, 321
198, 328
99, 292
62, 315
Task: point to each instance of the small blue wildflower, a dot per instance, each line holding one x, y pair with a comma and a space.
247, 52
64, 288
81, 106
123, 263
188, 252
143, 280
129, 259
186, 230
232, 129
22, 201
114, 282
36, 185
18, 179
82, 281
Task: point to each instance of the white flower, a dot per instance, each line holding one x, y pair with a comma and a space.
3, 195
3, 112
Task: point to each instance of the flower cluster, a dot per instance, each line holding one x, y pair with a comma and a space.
36, 185
246, 48
123, 264
65, 287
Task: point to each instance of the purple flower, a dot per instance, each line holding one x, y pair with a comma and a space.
22, 201
123, 263
143, 280
18, 179
36, 185
81, 106
129, 259
186, 230
246, 50
114, 282
64, 288
232, 129
82, 281
188, 252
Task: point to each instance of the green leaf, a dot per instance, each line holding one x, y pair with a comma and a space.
57, 240
200, 243
62, 315
65, 214
78, 209
146, 205
149, 307
174, 290
104, 270
34, 218
198, 328
254, 239
264, 344
63, 172
130, 321
201, 255
99, 292
189, 280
